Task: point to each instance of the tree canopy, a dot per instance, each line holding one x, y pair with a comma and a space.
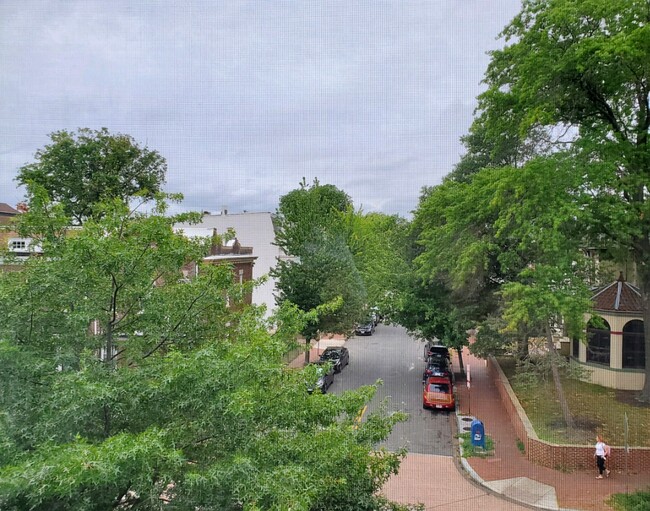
79, 170
313, 230
127, 386
580, 71
311, 212
379, 244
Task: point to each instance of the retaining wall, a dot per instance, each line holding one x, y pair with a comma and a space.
556, 456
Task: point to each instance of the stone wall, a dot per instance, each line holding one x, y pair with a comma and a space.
555, 456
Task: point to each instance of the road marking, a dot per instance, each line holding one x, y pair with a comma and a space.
357, 419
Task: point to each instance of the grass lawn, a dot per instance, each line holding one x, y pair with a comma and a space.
595, 409
470, 451
638, 501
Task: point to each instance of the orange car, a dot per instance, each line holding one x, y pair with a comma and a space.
438, 393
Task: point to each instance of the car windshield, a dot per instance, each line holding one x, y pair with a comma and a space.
438, 387
331, 355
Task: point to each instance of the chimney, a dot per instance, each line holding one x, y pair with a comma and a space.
215, 246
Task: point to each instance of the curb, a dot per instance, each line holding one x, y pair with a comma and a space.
479, 480
468, 468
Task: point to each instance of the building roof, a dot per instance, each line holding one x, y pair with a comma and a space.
6, 209
619, 296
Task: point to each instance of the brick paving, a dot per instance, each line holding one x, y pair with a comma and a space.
575, 490
440, 482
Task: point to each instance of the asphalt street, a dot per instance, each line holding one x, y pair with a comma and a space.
395, 358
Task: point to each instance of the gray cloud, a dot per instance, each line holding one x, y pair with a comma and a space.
244, 98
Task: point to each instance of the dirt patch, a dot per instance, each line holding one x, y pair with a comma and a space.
596, 410
587, 424
629, 397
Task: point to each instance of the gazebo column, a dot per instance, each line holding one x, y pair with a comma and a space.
616, 341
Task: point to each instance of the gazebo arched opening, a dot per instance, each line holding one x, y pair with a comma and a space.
598, 341
633, 345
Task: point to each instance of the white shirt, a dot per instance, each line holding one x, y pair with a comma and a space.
600, 448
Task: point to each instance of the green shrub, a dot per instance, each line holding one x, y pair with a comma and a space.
470, 450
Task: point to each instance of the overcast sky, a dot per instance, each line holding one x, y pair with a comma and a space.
244, 98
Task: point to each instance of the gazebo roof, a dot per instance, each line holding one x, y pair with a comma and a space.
619, 296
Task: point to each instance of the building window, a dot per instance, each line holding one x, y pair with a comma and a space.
633, 345
576, 348
18, 245
598, 341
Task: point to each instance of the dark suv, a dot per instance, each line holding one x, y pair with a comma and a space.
337, 355
365, 328
438, 367
324, 375
433, 349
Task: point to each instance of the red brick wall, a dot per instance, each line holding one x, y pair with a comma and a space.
247, 276
561, 457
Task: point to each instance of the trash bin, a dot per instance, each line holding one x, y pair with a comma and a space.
477, 433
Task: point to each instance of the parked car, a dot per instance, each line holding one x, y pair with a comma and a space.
438, 367
325, 372
432, 348
438, 393
339, 356
365, 328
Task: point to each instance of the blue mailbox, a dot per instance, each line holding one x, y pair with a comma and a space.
477, 433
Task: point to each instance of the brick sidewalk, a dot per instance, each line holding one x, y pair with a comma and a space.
317, 347
574, 490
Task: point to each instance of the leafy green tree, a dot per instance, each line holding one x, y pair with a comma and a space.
313, 229
194, 409
424, 308
309, 213
494, 140
533, 240
454, 230
81, 169
326, 279
580, 70
379, 244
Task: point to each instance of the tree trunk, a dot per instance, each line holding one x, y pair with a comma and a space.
644, 285
308, 342
564, 405
461, 366
108, 347
307, 350
522, 346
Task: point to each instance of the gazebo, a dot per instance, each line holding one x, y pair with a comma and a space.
614, 353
